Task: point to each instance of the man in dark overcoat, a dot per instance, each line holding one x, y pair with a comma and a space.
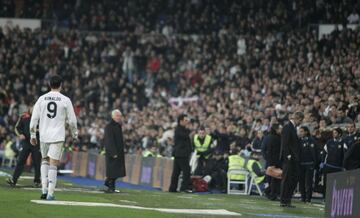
290, 156
114, 151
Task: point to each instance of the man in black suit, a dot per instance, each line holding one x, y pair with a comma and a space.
182, 151
290, 155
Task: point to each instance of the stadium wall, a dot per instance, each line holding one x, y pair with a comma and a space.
148, 171
343, 194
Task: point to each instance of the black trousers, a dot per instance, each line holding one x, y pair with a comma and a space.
289, 181
218, 179
274, 188
306, 181
28, 148
199, 171
181, 164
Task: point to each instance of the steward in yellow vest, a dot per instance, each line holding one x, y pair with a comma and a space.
236, 162
202, 142
254, 167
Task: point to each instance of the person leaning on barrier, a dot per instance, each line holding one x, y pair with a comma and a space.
333, 155
216, 168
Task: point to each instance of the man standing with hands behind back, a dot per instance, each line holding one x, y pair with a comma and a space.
182, 151
114, 148
290, 155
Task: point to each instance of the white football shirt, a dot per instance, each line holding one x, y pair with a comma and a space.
52, 111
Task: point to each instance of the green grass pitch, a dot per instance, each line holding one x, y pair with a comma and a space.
15, 202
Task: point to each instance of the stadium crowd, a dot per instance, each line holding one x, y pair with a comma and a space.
233, 67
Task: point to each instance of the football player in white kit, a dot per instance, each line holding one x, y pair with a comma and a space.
51, 112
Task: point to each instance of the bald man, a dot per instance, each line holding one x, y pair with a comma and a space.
114, 151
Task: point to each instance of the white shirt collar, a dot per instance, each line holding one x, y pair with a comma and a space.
292, 121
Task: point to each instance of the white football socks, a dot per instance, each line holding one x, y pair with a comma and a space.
52, 179
44, 176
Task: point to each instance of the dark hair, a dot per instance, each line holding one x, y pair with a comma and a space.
181, 117
350, 121
234, 151
338, 130
273, 128
55, 81
202, 128
299, 115
306, 130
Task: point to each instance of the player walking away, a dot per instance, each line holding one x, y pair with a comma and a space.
51, 111
22, 130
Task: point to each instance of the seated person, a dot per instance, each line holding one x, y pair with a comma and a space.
236, 162
253, 165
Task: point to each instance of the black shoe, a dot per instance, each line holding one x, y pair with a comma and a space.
37, 185
287, 205
189, 191
291, 206
43, 196
11, 182
272, 198
110, 190
173, 191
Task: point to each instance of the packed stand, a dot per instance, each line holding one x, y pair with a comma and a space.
236, 82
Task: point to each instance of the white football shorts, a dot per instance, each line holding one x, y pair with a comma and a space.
53, 150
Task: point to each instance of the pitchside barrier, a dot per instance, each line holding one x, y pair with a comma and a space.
343, 194
148, 171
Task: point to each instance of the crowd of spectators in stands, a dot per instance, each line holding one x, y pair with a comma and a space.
232, 66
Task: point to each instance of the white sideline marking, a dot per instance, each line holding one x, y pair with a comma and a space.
66, 171
4, 174
26, 177
215, 199
131, 202
71, 190
186, 197
179, 211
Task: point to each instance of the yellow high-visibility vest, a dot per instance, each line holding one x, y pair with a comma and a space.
249, 165
236, 162
148, 153
202, 147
